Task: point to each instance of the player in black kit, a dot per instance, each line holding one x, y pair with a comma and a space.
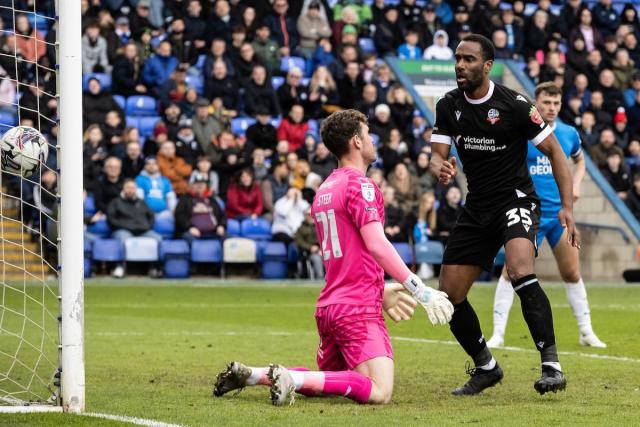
490, 125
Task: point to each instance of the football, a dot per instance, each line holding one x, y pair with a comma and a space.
23, 148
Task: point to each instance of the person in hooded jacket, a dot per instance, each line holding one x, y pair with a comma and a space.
440, 48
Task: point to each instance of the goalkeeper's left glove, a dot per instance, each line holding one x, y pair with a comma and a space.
436, 303
397, 303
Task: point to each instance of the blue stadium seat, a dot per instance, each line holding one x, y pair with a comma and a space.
405, 251
292, 253
239, 125
256, 229
90, 205
305, 81
196, 82
165, 226
260, 247
275, 122
40, 22
87, 258
132, 122
274, 261
7, 120
313, 126
429, 252
100, 228
207, 251
103, 78
141, 106
277, 81
289, 62
121, 101
146, 125
233, 228
175, 254
108, 250
367, 46
141, 249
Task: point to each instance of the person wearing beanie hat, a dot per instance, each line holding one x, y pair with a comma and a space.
307, 150
381, 124
620, 128
620, 116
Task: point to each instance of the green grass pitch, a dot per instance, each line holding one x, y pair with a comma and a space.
153, 348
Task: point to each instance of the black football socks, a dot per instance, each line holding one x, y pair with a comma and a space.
536, 310
466, 328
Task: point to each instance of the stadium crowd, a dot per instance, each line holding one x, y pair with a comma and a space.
205, 111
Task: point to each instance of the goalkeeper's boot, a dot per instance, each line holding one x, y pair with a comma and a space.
234, 377
480, 379
551, 380
283, 387
591, 340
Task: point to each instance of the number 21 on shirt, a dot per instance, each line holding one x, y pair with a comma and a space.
329, 228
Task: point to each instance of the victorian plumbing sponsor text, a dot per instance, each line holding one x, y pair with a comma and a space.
479, 144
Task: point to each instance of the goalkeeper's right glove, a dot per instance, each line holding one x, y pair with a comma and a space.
438, 307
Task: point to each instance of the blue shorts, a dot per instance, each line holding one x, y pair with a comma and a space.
550, 228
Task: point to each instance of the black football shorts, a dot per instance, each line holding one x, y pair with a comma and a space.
478, 235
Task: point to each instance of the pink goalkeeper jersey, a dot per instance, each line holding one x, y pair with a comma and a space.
346, 201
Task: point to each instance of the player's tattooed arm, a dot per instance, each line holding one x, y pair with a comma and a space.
552, 149
444, 170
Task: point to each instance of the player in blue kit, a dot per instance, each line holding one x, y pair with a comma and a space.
548, 102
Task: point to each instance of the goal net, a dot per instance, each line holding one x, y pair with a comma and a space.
34, 310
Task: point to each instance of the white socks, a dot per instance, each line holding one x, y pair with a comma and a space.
502, 303
298, 378
489, 366
554, 365
577, 297
256, 375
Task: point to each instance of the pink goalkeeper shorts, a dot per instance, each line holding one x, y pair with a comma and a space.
350, 335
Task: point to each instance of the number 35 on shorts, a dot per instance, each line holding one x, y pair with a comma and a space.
521, 215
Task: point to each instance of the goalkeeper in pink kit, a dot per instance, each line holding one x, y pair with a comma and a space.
355, 358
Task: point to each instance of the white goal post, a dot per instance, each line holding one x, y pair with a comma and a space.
32, 323
71, 241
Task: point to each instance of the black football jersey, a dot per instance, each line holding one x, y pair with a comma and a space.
490, 135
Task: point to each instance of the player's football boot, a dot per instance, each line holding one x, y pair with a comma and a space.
480, 379
234, 377
591, 340
551, 380
495, 341
283, 387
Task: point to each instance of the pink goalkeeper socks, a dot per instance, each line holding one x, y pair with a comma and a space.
349, 384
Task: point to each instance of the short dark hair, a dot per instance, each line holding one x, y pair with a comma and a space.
488, 51
549, 88
339, 128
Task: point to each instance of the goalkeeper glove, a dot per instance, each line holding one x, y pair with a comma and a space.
438, 307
